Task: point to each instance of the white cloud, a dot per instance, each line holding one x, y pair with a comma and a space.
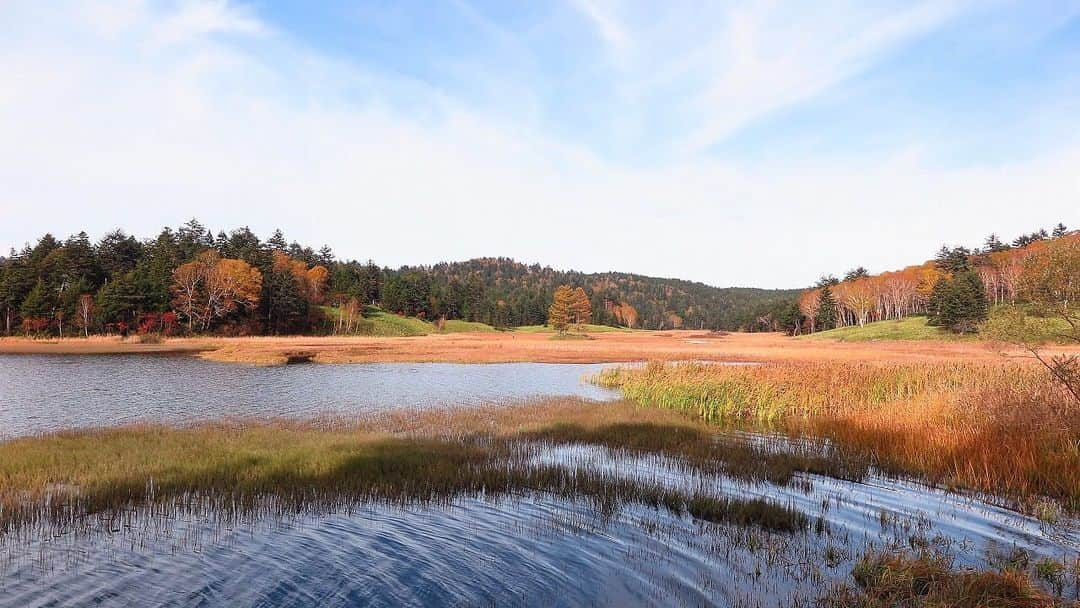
601, 14
103, 132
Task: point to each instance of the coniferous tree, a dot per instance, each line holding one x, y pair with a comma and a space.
856, 273
993, 243
826, 312
561, 312
1060, 230
959, 302
580, 307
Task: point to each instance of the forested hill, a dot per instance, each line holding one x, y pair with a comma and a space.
191, 280
503, 292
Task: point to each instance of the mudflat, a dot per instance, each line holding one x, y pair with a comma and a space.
509, 346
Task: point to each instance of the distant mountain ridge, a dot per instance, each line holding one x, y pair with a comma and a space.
513, 293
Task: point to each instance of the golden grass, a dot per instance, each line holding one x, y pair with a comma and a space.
887, 580
396, 458
998, 428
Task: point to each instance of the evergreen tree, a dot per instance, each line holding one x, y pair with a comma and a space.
958, 302
37, 302
118, 301
826, 313
1060, 230
277, 242
856, 273
952, 260
993, 243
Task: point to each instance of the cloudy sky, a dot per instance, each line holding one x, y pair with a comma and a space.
747, 143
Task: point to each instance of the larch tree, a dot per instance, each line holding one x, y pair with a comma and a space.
560, 313
580, 307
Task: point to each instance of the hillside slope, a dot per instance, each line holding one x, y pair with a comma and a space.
504, 292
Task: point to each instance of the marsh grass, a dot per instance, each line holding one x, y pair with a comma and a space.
70, 479
996, 428
887, 579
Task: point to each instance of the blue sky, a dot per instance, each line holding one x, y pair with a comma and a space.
750, 143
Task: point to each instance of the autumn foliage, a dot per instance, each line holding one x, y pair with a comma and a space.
902, 293
210, 289
569, 306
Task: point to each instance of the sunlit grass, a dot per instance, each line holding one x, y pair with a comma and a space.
998, 428
888, 579
909, 328
394, 458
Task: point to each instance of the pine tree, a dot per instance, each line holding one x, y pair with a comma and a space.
1060, 230
826, 313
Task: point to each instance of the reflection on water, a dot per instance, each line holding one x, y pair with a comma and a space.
534, 550
49, 393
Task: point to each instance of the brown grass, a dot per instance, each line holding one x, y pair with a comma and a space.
887, 580
493, 347
1003, 429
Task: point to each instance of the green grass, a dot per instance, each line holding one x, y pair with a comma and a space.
378, 322
388, 324
51, 479
911, 328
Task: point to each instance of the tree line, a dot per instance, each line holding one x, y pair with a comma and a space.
954, 290
190, 280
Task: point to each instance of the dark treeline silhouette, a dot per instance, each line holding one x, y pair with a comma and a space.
189, 280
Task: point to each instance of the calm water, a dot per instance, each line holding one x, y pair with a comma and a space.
531, 550
49, 393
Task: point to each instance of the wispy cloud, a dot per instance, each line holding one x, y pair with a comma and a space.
607, 24
238, 124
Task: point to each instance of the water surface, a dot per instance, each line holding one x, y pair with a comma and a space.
52, 392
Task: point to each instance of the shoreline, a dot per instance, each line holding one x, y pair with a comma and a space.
511, 347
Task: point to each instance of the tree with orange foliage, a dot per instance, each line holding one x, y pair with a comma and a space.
315, 280
210, 288
580, 307
561, 311
232, 285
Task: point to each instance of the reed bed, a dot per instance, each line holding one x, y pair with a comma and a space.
998, 428
76, 478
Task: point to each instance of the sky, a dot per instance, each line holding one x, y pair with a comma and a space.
757, 143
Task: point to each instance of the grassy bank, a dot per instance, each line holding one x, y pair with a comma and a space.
394, 458
1004, 429
377, 322
910, 328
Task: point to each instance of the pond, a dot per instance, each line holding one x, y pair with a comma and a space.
529, 549
49, 393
